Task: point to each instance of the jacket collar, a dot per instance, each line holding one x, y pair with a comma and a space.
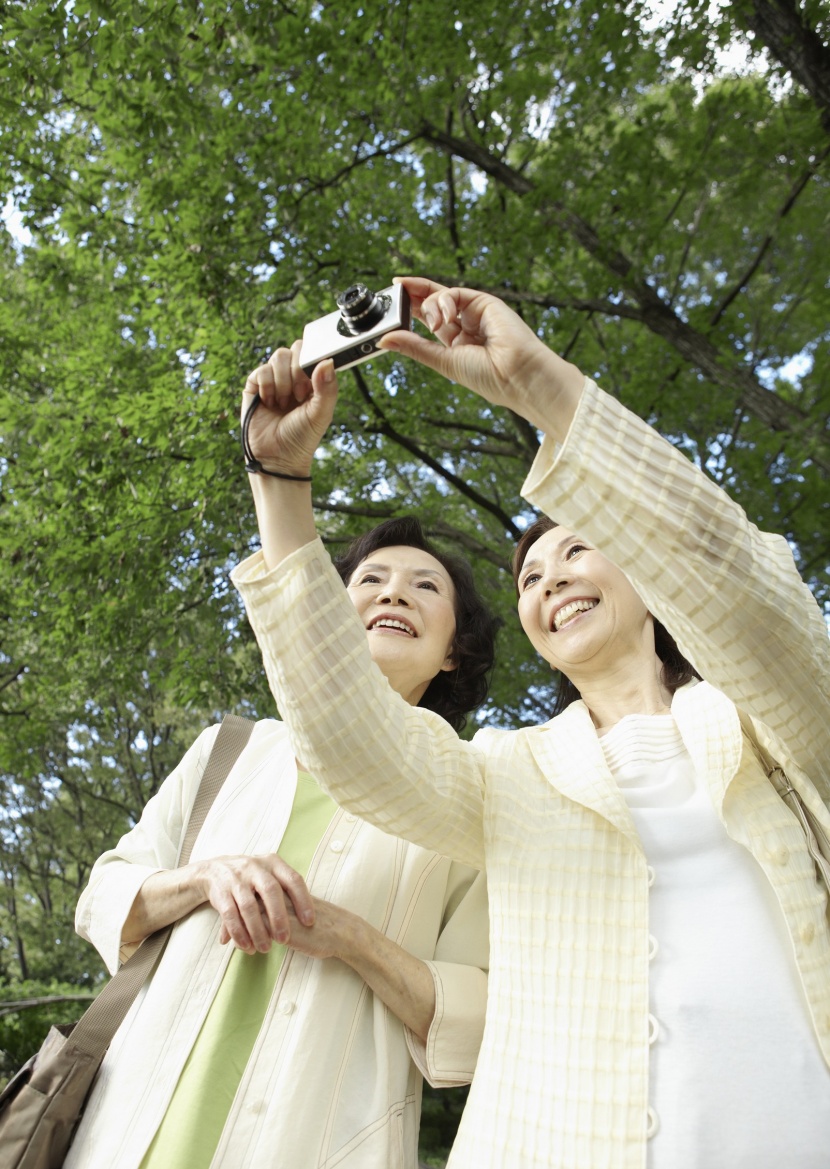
711, 731
568, 752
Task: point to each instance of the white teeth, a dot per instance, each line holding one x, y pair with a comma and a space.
391, 623
570, 610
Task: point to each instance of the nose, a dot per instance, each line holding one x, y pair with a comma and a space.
554, 581
391, 593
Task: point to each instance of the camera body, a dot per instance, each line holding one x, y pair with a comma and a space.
350, 335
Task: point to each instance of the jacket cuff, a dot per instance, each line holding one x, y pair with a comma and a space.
539, 484
448, 1058
102, 911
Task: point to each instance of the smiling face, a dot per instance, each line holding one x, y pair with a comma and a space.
406, 600
579, 610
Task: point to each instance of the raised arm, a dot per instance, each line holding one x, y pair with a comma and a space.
399, 767
730, 594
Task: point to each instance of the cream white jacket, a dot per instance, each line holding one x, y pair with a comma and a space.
331, 1080
562, 1078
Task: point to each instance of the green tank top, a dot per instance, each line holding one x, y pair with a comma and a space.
192, 1125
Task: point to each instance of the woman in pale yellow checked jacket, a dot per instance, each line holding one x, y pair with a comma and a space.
660, 958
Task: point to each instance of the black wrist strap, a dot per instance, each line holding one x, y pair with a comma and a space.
252, 465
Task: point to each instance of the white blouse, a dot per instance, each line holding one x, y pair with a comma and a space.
736, 1075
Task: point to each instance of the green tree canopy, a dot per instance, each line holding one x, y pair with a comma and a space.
195, 180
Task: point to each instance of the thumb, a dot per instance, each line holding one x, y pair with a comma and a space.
430, 353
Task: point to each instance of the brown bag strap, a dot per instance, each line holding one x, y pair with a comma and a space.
817, 837
97, 1026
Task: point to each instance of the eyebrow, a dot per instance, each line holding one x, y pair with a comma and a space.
385, 568
536, 562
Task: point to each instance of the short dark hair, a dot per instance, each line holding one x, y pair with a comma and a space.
677, 670
452, 693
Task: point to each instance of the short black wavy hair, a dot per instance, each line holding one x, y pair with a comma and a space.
677, 670
452, 693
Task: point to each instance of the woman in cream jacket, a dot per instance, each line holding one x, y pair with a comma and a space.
303, 1044
660, 958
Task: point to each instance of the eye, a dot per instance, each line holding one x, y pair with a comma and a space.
369, 578
530, 579
575, 548
427, 584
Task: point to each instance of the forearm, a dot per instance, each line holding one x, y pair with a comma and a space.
400, 767
284, 515
164, 897
400, 980
549, 395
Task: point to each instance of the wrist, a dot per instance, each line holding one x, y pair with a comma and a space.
195, 879
552, 395
352, 938
273, 469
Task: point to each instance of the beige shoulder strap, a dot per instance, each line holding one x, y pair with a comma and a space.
94, 1030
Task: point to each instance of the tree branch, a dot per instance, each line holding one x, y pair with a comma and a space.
656, 315
384, 426
787, 206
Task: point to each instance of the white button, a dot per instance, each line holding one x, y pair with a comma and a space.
287, 1007
653, 1030
780, 855
256, 1106
350, 819
653, 1124
337, 846
808, 933
650, 873
653, 947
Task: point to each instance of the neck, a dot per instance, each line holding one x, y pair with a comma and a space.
627, 690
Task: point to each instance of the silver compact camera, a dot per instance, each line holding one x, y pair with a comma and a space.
350, 335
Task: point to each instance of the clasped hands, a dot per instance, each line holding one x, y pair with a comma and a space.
261, 900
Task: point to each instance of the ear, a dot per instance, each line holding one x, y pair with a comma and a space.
450, 662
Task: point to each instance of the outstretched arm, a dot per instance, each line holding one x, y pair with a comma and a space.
284, 432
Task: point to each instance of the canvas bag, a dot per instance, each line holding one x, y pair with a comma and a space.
42, 1104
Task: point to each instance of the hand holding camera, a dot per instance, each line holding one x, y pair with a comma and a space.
285, 414
289, 401
485, 346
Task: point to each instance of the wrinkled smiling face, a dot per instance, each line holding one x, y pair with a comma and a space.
579, 610
406, 600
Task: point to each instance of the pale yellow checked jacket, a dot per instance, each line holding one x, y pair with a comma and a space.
562, 1077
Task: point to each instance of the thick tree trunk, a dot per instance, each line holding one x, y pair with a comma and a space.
782, 27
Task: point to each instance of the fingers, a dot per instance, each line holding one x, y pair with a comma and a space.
430, 353
249, 894
441, 308
296, 891
280, 381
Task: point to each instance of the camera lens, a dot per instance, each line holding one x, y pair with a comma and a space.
361, 309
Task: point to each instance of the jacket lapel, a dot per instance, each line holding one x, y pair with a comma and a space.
568, 753
711, 730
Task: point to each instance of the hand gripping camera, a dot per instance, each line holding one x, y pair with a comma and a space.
350, 335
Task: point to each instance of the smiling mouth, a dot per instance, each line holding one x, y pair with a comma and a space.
393, 624
570, 612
